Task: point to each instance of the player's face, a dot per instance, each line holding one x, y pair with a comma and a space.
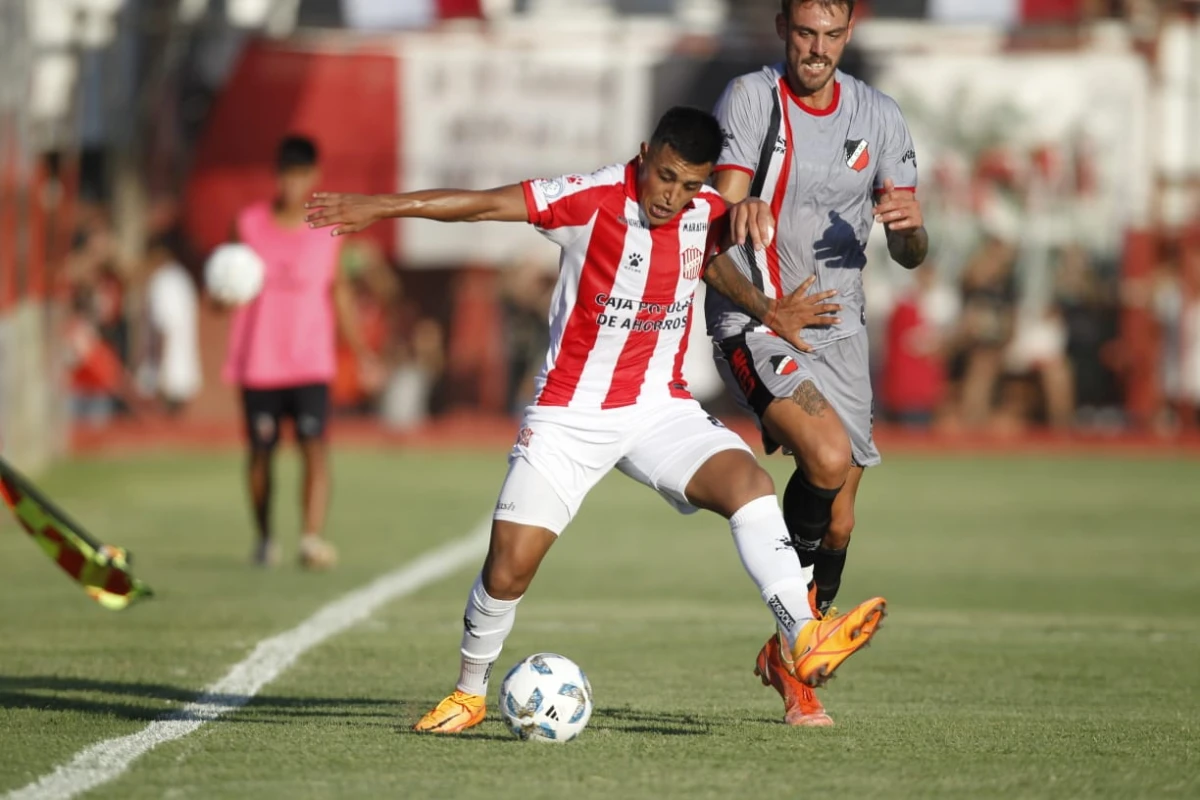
815, 35
667, 183
296, 184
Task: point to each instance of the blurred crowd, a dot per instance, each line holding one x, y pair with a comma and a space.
136, 337
1017, 318
991, 334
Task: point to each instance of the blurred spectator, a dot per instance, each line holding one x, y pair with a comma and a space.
393, 327
1089, 313
95, 371
985, 329
526, 292
416, 363
170, 368
374, 289
96, 334
1178, 318
913, 384
1036, 361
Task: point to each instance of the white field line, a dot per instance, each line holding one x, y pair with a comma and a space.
107, 760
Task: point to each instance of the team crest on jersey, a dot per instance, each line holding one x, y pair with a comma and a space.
857, 154
551, 187
690, 261
784, 365
525, 436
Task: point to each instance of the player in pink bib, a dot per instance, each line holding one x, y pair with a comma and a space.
282, 346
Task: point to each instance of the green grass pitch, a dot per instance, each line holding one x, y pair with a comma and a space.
1043, 640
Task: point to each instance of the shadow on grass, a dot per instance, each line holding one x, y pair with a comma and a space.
145, 702
662, 723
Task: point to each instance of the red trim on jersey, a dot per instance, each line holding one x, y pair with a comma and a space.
777, 206
738, 167
659, 292
597, 276
816, 112
531, 207
898, 189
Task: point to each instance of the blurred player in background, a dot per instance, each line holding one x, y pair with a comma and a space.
832, 156
171, 368
611, 393
282, 347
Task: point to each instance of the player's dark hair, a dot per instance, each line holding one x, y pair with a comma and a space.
786, 5
295, 151
693, 133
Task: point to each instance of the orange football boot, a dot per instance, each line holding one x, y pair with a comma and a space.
800, 704
455, 714
823, 644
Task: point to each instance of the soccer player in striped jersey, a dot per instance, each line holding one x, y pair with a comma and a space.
832, 156
635, 239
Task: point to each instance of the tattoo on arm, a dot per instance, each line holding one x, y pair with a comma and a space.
909, 249
810, 400
724, 276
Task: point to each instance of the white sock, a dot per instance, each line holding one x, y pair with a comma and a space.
486, 624
762, 541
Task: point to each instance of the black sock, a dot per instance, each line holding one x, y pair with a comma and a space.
827, 574
807, 510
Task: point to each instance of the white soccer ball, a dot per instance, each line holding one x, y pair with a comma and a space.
546, 698
234, 274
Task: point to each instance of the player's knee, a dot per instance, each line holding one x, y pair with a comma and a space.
315, 452
840, 528
260, 458
828, 465
758, 483
727, 481
507, 581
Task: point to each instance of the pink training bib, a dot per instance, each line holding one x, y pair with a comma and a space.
287, 335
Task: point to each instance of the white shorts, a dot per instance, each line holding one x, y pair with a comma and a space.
562, 453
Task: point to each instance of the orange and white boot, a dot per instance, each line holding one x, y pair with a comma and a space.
455, 714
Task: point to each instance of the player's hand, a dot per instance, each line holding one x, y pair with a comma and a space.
372, 375
898, 211
752, 216
349, 212
799, 310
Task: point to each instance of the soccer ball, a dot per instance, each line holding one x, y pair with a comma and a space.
233, 274
546, 698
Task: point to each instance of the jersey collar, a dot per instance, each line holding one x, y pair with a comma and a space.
786, 89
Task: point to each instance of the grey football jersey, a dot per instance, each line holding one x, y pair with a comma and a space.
819, 170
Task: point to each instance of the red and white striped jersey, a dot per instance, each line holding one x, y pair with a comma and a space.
622, 308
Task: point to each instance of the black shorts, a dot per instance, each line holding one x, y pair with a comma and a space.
307, 406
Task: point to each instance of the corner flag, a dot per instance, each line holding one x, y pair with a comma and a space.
102, 570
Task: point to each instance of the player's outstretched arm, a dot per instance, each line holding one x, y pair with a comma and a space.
349, 213
900, 213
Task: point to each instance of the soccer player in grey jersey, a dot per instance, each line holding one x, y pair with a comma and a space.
832, 156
